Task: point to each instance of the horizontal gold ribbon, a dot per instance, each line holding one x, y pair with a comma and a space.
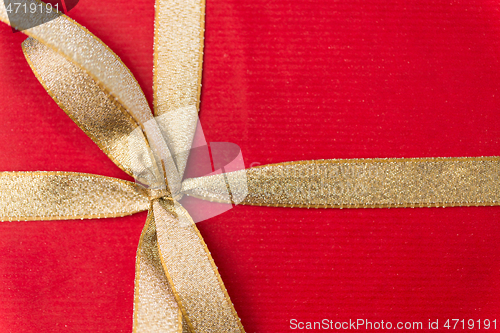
360, 183
38, 196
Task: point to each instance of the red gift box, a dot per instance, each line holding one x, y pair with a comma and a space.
286, 81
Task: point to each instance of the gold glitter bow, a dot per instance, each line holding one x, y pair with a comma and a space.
177, 286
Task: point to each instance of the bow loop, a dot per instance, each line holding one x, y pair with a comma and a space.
132, 139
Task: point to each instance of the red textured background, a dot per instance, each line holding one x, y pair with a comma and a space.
285, 80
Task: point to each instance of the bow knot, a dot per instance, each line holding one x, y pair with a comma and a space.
154, 194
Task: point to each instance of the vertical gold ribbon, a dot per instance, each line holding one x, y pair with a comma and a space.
155, 307
178, 57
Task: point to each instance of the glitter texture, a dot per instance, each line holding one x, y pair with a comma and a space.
361, 183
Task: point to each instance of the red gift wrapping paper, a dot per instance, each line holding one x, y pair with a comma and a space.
286, 81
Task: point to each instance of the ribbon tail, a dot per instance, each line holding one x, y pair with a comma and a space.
37, 196
155, 308
191, 272
358, 183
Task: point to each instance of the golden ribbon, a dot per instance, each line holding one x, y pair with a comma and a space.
177, 285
